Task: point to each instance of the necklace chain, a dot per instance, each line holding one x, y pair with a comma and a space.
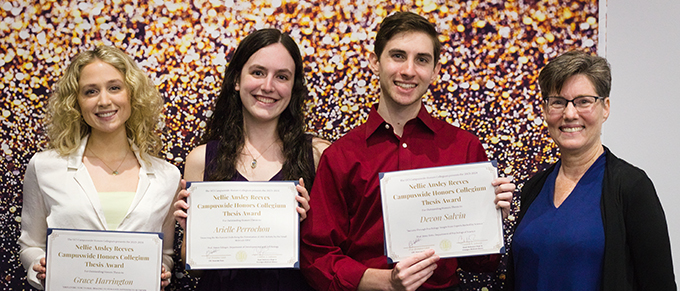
113, 172
253, 163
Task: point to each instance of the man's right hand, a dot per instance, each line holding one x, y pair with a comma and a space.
408, 274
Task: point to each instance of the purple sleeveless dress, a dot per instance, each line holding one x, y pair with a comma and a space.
249, 279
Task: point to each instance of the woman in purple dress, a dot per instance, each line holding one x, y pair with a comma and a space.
257, 133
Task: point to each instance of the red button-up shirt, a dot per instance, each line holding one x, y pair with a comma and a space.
343, 233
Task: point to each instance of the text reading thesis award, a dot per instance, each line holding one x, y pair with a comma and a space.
448, 209
242, 225
103, 260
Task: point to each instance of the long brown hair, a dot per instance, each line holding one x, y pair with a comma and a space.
226, 123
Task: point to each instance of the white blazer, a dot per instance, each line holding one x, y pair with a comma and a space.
59, 193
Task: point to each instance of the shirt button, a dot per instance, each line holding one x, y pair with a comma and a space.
387, 126
404, 145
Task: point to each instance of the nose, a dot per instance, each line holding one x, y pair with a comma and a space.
408, 68
570, 111
268, 84
104, 99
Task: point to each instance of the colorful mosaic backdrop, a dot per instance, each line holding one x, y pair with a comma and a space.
492, 53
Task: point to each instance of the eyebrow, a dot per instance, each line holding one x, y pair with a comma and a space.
109, 82
577, 96
396, 50
256, 66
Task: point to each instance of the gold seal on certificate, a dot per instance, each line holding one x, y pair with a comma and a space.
448, 209
103, 260
242, 225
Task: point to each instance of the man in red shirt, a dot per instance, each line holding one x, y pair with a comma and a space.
343, 235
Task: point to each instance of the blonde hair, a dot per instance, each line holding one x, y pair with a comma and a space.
66, 126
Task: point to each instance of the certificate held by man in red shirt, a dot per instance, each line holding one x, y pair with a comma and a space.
448, 209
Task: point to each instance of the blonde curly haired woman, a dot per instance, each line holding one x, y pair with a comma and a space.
100, 171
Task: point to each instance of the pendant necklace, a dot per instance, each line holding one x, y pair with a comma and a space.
113, 172
253, 163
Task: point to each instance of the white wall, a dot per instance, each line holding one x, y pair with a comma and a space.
643, 48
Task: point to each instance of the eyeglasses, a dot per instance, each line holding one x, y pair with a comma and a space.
581, 103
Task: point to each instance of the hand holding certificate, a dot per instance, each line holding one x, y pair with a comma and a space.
449, 209
242, 225
103, 260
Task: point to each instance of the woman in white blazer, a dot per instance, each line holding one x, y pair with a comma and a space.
100, 171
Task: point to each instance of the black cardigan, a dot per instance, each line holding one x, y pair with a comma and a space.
637, 253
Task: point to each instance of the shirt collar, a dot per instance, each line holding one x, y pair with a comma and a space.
75, 160
375, 121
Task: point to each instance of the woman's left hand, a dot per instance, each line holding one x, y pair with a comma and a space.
165, 278
302, 199
181, 205
504, 192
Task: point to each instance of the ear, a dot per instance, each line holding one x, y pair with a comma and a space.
237, 87
374, 63
544, 110
437, 69
606, 105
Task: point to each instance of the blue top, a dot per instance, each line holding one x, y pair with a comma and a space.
249, 279
562, 248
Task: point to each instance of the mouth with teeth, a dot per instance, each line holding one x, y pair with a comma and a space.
405, 85
571, 129
265, 100
106, 114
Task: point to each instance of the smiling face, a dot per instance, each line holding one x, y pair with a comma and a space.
103, 98
574, 131
406, 68
266, 83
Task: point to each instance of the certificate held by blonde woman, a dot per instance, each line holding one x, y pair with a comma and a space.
103, 260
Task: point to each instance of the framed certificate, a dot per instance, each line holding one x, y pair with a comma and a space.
103, 260
448, 209
242, 225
